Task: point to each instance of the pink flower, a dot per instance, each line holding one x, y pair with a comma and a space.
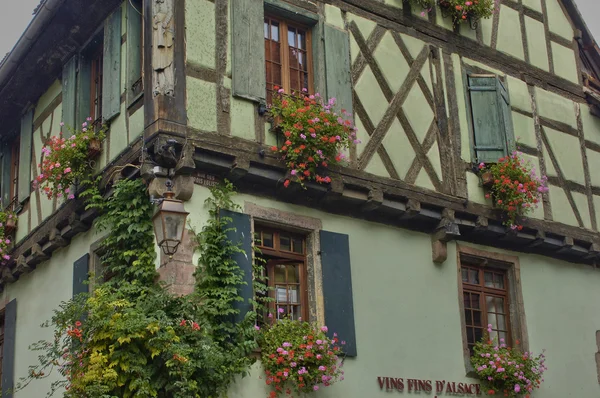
315, 388
7, 241
280, 310
71, 196
324, 329
6, 257
256, 327
62, 124
517, 388
270, 315
67, 170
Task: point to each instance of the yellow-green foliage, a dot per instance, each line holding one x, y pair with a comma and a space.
131, 338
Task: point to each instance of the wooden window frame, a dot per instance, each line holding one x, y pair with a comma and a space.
517, 326
274, 255
2, 324
284, 25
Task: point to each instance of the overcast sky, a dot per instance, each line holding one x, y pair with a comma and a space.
21, 11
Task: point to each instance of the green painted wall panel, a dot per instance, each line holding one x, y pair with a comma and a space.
566, 149
564, 62
557, 19
536, 40
509, 33
201, 104
200, 32
555, 107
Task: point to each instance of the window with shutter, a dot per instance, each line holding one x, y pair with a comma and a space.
490, 117
277, 44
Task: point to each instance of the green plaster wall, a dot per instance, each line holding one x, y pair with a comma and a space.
538, 53
200, 32
403, 340
553, 106
557, 19
37, 295
201, 104
509, 33
565, 65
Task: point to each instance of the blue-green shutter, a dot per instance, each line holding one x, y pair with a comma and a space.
488, 118
6, 175
239, 231
84, 90
337, 288
504, 103
337, 67
24, 181
134, 46
69, 90
111, 79
80, 275
248, 49
8, 349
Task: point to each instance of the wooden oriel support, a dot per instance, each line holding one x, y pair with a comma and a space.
7, 275
374, 202
37, 255
240, 168
413, 208
446, 231
21, 266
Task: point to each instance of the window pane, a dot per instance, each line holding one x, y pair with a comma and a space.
501, 322
499, 305
295, 312
285, 243
502, 335
291, 37
498, 281
470, 336
468, 317
267, 239
492, 321
475, 300
489, 279
280, 294
280, 273
478, 334
477, 318
301, 40
466, 300
474, 276
274, 31
490, 303
266, 29
293, 274
297, 245
465, 275
494, 335
293, 294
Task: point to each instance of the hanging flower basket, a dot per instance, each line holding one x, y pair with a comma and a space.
467, 10
94, 148
513, 186
312, 134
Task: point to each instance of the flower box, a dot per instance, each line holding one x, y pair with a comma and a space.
487, 179
94, 148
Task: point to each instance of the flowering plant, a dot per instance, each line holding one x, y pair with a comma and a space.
505, 370
513, 186
314, 134
460, 10
4, 238
67, 160
299, 356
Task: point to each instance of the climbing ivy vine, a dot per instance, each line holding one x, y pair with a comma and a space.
130, 337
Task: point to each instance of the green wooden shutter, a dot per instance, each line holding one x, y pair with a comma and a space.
337, 288
505, 110
8, 349
69, 89
487, 119
84, 90
239, 231
6, 175
80, 275
248, 49
111, 79
337, 67
134, 48
24, 181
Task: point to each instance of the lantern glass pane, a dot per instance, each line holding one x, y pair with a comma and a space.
158, 228
174, 224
